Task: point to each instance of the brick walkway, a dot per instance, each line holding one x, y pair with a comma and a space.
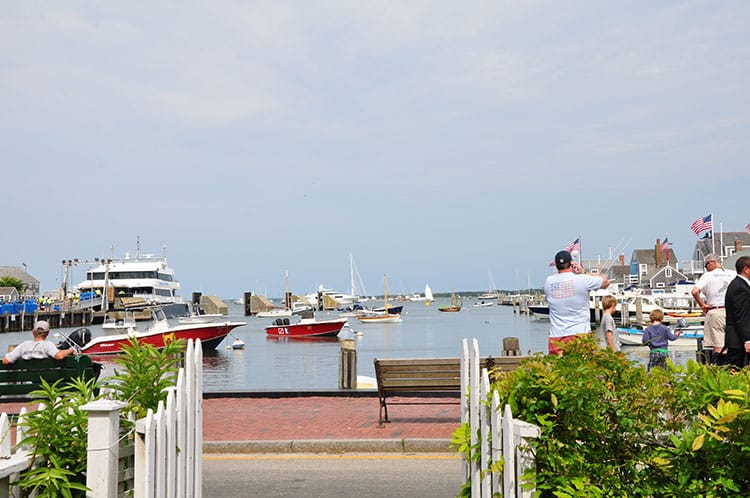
321, 418
316, 418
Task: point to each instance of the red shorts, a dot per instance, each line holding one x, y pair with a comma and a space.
554, 342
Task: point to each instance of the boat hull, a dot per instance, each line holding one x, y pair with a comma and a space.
322, 328
384, 318
210, 335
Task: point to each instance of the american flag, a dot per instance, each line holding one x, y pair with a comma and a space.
665, 245
574, 246
702, 224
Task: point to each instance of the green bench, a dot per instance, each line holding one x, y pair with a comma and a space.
25, 376
427, 377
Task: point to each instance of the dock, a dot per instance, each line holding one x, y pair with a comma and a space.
57, 319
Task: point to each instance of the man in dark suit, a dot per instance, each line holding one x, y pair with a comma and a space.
737, 302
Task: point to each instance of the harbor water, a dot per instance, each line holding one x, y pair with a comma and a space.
312, 364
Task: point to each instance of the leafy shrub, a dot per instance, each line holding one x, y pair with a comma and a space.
58, 433
609, 428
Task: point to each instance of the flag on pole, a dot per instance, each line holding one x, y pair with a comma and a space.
747, 228
702, 224
665, 248
574, 246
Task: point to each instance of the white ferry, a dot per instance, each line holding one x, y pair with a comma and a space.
143, 277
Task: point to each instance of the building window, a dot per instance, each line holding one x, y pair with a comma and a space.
668, 272
643, 269
659, 285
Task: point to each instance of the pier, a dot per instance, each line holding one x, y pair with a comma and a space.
57, 319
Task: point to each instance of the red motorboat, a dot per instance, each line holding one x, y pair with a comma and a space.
158, 334
305, 327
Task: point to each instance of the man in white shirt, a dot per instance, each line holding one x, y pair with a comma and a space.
567, 293
39, 348
713, 286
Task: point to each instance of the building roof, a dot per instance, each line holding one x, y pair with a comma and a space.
705, 246
8, 291
15, 272
648, 256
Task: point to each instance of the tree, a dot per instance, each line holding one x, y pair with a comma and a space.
19, 284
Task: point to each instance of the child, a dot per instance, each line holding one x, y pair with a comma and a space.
657, 337
607, 335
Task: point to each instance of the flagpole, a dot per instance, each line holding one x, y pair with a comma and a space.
721, 241
580, 256
713, 244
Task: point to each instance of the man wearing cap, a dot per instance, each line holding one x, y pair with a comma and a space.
567, 293
713, 285
39, 348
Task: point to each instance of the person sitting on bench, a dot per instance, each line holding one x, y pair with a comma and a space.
39, 348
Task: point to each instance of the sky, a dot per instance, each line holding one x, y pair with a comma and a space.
436, 141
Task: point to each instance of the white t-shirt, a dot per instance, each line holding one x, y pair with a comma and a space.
713, 285
32, 350
568, 298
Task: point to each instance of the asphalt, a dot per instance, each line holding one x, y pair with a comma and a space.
320, 422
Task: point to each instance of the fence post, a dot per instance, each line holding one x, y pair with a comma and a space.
474, 387
103, 451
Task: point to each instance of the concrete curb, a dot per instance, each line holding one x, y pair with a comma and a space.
331, 446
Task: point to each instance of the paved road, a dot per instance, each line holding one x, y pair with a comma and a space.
331, 476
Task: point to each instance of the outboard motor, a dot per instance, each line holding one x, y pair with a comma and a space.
76, 339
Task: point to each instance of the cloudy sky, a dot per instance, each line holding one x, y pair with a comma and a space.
436, 141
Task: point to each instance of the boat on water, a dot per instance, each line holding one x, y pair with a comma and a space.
159, 333
238, 343
455, 305
492, 292
688, 338
305, 327
428, 297
134, 282
200, 318
483, 304
119, 322
385, 315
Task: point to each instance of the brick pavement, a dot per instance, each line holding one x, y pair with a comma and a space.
320, 418
323, 420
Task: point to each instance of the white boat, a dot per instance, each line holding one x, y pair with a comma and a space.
325, 295
142, 277
428, 298
483, 304
380, 316
687, 340
119, 322
492, 292
274, 313
238, 343
203, 318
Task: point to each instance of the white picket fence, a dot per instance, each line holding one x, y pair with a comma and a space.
168, 459
495, 432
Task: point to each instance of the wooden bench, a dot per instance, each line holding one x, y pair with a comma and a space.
25, 376
436, 377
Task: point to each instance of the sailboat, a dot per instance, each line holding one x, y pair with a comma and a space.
380, 317
492, 292
427, 295
455, 304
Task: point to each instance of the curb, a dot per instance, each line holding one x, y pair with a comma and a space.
331, 446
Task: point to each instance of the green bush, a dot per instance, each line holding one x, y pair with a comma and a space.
609, 428
58, 433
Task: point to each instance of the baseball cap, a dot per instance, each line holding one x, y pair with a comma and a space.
42, 326
562, 257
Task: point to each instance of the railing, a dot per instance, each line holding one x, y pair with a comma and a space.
497, 435
168, 456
